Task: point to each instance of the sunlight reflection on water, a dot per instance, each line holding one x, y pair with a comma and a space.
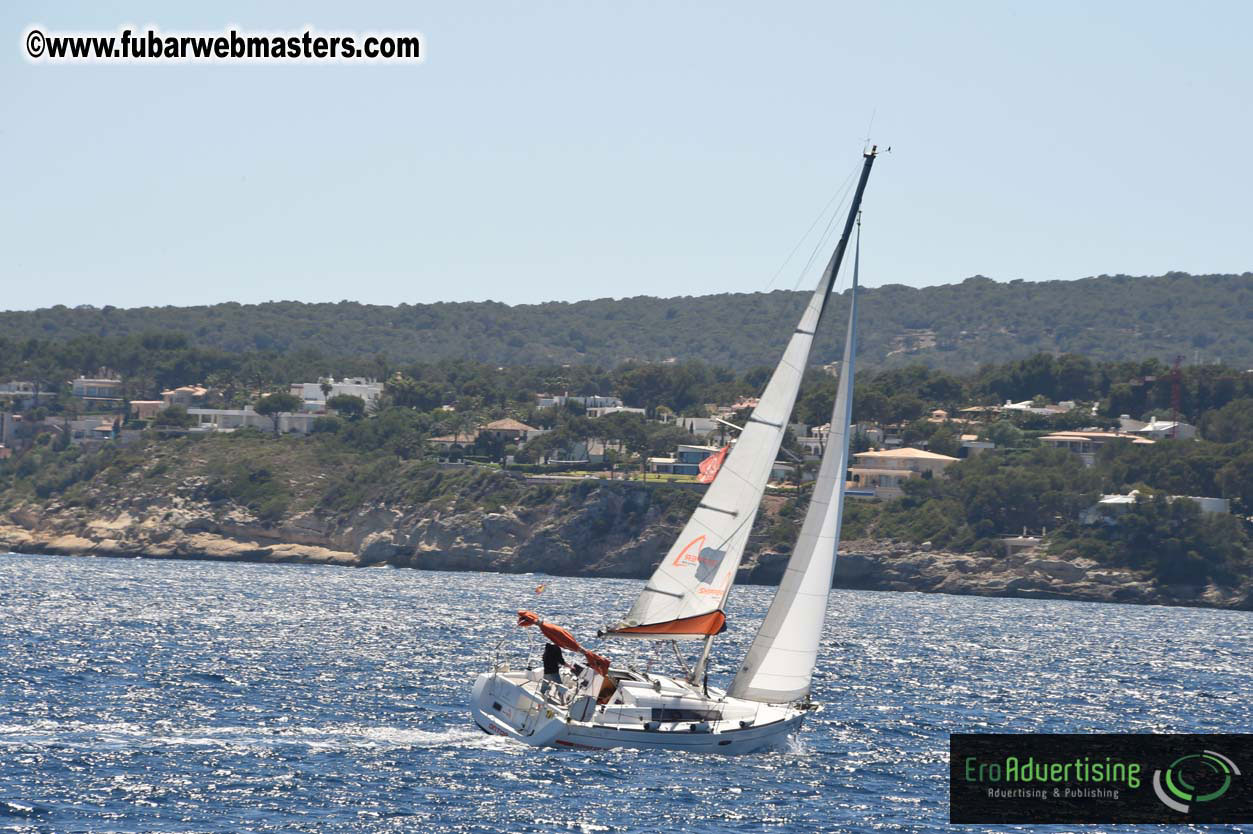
191, 696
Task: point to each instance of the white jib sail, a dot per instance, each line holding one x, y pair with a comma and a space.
780, 661
695, 576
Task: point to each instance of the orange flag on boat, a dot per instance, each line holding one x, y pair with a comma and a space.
557, 634
709, 466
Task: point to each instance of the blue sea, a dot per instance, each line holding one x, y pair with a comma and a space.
160, 696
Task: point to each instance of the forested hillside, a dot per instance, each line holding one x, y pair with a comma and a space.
953, 327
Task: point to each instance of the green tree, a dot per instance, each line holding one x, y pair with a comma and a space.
348, 406
1004, 434
1232, 422
944, 441
175, 417
280, 402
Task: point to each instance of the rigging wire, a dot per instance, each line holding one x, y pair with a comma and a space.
834, 207
819, 246
840, 194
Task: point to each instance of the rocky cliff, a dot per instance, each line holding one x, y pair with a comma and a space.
589, 528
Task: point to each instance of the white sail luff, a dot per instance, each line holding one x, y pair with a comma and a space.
696, 574
780, 662
691, 585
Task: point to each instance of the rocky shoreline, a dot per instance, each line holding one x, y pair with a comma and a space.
599, 532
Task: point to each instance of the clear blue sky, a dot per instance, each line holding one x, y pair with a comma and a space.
583, 150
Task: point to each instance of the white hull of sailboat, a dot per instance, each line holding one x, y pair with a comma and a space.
510, 705
598, 707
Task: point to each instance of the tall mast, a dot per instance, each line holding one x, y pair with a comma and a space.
698, 671
853, 210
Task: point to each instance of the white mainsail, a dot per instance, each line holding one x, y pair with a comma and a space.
780, 661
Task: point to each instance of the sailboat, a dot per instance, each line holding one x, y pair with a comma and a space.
597, 705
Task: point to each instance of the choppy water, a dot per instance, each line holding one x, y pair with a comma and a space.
189, 696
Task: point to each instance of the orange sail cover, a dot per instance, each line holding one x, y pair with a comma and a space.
701, 625
557, 634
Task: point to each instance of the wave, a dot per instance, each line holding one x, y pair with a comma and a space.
123, 735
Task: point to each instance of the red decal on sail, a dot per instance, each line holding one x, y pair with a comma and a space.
709, 466
689, 556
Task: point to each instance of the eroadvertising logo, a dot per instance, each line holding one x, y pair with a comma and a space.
1209, 771
1100, 778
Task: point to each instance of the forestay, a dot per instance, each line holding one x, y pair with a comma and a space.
780, 661
686, 593
685, 596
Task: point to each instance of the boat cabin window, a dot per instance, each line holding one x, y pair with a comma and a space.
667, 714
618, 675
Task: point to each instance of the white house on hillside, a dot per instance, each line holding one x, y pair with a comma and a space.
315, 399
588, 402
686, 461
100, 391
1166, 430
604, 411
1111, 506
230, 419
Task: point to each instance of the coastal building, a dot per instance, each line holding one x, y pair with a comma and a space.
871, 433
589, 452
19, 394
980, 412
587, 402
604, 411
509, 430
1029, 407
699, 426
233, 419
315, 394
86, 431
9, 424
1087, 442
784, 472
813, 444
882, 473
1126, 424
1166, 430
813, 441
99, 391
686, 460
971, 445
146, 409
449, 442
1013, 545
1110, 507
184, 395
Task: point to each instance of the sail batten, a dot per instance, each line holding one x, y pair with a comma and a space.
696, 575
780, 662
